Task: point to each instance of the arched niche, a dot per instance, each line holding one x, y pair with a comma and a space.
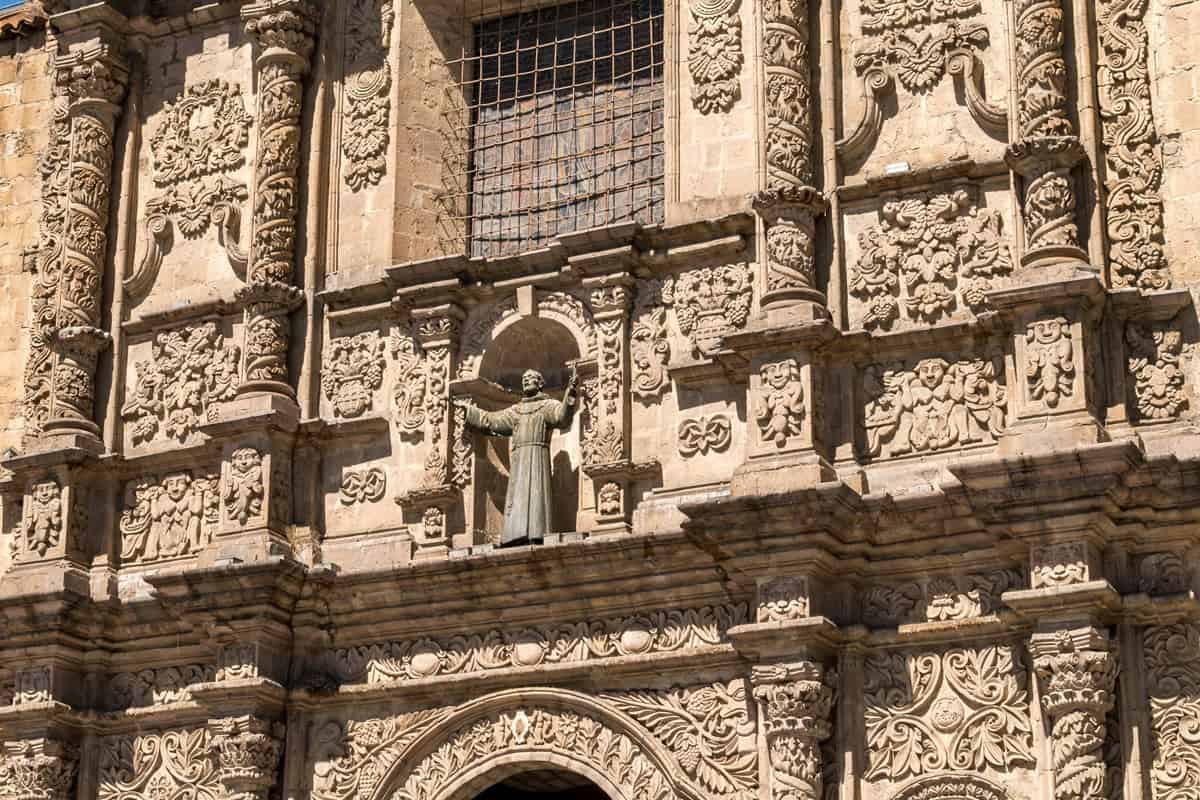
552, 344
516, 731
951, 786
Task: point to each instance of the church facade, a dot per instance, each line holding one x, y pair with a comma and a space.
883, 477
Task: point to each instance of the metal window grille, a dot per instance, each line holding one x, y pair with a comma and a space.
557, 124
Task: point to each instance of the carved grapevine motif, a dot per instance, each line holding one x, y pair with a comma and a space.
1049, 361
710, 303
363, 486
1173, 683
704, 433
785, 54
656, 632
1042, 72
1155, 356
915, 38
701, 727
930, 255
190, 370
169, 518
933, 405
353, 371
1133, 151
963, 709
715, 54
368, 81
166, 764
352, 760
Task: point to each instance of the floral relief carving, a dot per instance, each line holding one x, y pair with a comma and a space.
244, 487
433, 524
915, 39
44, 521
577, 736
199, 142
1155, 361
603, 445
780, 409
368, 83
169, 763
702, 726
699, 435
715, 54
608, 499
783, 599
169, 518
248, 751
154, 687
933, 404
1059, 565
788, 88
654, 632
352, 759
408, 392
961, 709
1049, 361
352, 372
362, 486
190, 371
38, 769
1132, 147
795, 702
1172, 654
930, 256
709, 304
940, 598
649, 342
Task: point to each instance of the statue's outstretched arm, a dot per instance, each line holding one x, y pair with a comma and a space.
498, 423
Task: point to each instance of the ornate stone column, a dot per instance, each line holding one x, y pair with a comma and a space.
788, 202
794, 704
248, 753
1077, 670
94, 77
284, 32
1047, 146
40, 769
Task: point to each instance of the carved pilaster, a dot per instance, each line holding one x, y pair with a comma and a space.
788, 203
39, 769
606, 448
1077, 670
94, 78
54, 517
795, 701
1047, 147
284, 33
248, 751
437, 330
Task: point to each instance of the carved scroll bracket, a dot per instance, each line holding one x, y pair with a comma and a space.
795, 702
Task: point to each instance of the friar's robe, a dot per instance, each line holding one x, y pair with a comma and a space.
529, 423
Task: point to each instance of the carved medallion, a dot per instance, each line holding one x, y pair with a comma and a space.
699, 435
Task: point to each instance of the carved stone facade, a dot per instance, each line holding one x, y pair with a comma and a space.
882, 482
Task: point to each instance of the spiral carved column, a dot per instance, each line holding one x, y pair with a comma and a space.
95, 80
284, 33
1077, 693
789, 203
1048, 147
795, 701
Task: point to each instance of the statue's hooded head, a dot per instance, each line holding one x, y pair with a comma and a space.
532, 382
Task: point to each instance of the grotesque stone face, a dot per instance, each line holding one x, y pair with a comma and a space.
931, 371
177, 486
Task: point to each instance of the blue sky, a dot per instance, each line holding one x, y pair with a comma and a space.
9, 3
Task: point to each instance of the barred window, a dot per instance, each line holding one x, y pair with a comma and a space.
565, 118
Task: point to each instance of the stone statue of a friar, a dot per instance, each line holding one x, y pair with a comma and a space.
529, 422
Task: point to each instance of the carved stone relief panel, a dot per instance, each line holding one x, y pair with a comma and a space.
1061, 564
1163, 573
649, 341
158, 764
699, 435
715, 54
1049, 361
244, 487
914, 39
190, 371
362, 486
409, 383
933, 404
197, 151
940, 598
170, 517
153, 687
782, 598
1156, 366
932, 258
779, 408
709, 303
654, 632
352, 372
368, 83
44, 521
1172, 654
964, 708
39, 768
351, 758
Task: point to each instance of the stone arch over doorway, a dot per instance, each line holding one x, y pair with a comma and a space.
520, 730
951, 786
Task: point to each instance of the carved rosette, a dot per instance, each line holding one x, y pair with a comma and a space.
94, 80
715, 54
1155, 354
1077, 694
39, 769
1132, 148
794, 702
1048, 147
284, 34
248, 751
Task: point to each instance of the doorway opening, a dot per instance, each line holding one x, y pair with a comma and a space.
543, 785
